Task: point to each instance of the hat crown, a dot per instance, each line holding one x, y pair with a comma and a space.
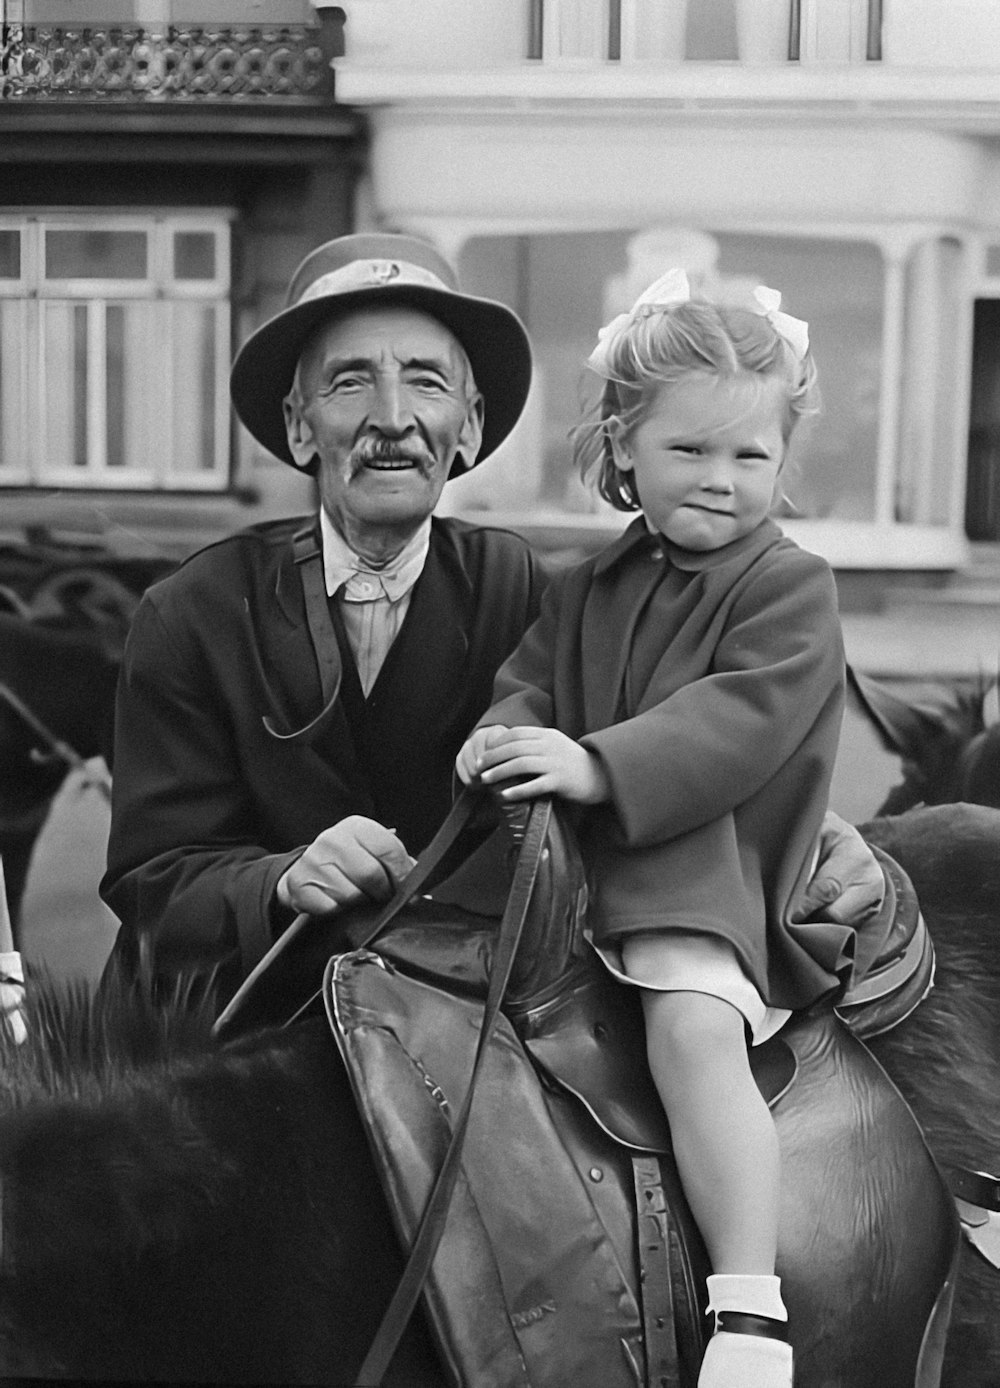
352, 274
369, 260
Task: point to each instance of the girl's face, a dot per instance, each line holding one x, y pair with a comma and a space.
706, 457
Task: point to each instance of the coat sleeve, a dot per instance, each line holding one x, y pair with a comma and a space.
523, 691
187, 887
777, 677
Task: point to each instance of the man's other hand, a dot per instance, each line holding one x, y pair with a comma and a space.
354, 858
847, 885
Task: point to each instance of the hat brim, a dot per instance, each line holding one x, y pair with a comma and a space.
492, 335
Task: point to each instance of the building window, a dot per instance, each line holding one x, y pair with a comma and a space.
567, 284
114, 351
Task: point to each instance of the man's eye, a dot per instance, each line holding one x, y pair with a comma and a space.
346, 383
433, 383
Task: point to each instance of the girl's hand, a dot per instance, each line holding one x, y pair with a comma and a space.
555, 764
469, 761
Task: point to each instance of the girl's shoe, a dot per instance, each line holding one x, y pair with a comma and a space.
738, 1360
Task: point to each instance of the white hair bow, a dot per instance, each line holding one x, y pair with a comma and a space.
670, 288
793, 330
673, 287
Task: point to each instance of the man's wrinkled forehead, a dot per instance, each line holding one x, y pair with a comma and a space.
384, 338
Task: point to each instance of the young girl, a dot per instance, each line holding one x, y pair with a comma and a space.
686, 686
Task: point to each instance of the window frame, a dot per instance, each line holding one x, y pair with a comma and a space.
162, 291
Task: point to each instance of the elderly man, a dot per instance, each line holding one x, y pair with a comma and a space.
292, 698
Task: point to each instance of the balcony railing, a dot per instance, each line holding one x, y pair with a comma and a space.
113, 63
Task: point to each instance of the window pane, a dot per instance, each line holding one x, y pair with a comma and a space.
65, 333
137, 383
194, 255
13, 438
91, 254
194, 388
837, 287
10, 255
566, 285
982, 501
116, 394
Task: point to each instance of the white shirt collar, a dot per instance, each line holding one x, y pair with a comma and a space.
342, 568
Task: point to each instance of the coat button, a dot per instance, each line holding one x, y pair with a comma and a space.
656, 554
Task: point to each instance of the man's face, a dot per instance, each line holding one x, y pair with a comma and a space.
385, 401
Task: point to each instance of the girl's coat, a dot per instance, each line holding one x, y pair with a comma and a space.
711, 685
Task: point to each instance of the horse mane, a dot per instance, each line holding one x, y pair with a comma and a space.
948, 747
83, 1040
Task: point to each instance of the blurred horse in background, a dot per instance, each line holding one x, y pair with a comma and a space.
945, 734
64, 616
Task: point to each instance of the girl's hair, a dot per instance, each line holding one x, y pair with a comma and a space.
659, 346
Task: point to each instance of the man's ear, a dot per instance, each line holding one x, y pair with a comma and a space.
471, 436
301, 443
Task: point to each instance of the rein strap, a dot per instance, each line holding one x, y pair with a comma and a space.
434, 1217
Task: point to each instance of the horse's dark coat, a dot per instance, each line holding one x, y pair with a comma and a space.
203, 1216
949, 751
66, 679
174, 1213
64, 616
946, 1058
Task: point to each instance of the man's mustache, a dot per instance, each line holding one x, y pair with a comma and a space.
379, 450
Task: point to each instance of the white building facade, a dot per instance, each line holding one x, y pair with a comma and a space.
846, 152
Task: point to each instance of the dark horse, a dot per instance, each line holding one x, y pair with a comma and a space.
175, 1210
56, 701
945, 733
64, 616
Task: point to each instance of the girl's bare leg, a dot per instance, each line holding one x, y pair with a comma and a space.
726, 1149
724, 1138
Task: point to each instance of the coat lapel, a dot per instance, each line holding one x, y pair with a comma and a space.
624, 577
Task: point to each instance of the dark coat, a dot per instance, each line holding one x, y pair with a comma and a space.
209, 807
711, 686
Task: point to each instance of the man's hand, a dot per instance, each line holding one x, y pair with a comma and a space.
552, 763
847, 884
355, 858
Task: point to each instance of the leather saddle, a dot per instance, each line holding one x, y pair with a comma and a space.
569, 1253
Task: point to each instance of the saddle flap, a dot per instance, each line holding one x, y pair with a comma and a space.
527, 1285
590, 1038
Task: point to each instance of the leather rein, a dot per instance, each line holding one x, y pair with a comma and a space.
434, 1217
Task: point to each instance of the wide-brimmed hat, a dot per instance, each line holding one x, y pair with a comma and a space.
353, 272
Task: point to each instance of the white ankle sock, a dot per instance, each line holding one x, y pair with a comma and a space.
746, 1361
759, 1294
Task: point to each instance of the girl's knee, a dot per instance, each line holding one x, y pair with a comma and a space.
693, 1028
